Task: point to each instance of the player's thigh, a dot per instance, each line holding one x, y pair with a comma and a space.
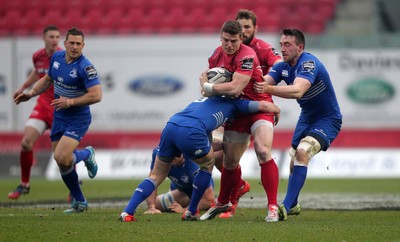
235, 144
263, 135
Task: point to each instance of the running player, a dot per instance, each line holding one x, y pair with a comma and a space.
76, 86
41, 117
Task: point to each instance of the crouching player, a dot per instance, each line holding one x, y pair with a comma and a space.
181, 174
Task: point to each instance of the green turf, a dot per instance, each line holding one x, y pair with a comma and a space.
248, 225
43, 190
29, 223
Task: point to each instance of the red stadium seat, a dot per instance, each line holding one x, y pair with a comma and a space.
150, 22
28, 22
9, 22
172, 21
159, 16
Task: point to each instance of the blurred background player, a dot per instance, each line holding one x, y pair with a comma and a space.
181, 174
320, 119
243, 62
79, 88
41, 117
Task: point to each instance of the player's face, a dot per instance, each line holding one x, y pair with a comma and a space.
290, 50
230, 43
73, 46
248, 30
51, 39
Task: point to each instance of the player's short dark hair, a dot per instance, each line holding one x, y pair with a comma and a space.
297, 34
232, 27
50, 28
75, 32
247, 14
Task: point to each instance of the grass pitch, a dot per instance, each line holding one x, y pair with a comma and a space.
26, 220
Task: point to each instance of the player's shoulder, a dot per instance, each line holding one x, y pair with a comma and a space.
216, 52
260, 44
84, 61
246, 49
307, 58
59, 53
39, 53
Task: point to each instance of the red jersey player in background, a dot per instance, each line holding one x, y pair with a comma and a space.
41, 117
243, 62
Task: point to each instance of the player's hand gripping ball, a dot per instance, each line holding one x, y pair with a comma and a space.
218, 75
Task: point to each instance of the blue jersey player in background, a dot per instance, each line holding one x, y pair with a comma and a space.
182, 173
76, 86
188, 132
320, 119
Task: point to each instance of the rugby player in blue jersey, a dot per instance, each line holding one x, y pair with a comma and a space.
320, 119
188, 132
76, 86
182, 173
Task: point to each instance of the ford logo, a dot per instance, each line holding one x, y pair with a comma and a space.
153, 85
371, 91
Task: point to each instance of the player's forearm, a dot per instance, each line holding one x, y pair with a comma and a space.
290, 92
93, 95
30, 80
228, 89
268, 107
41, 86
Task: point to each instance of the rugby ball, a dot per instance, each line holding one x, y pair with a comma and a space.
218, 75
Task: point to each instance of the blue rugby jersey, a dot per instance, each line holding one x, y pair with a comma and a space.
72, 80
210, 113
320, 100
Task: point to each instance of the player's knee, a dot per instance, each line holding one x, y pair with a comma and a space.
308, 147
63, 160
207, 165
263, 153
26, 144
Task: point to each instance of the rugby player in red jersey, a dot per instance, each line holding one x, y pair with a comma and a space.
41, 117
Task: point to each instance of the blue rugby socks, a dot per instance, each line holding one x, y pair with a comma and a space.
295, 185
70, 178
145, 189
80, 155
200, 184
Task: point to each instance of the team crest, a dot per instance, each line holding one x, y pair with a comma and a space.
73, 73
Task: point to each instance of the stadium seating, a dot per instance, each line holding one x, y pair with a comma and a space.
20, 17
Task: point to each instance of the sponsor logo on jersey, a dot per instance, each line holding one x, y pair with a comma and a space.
156, 85
370, 91
285, 73
91, 72
247, 64
56, 65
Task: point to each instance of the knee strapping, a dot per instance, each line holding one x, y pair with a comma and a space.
310, 145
